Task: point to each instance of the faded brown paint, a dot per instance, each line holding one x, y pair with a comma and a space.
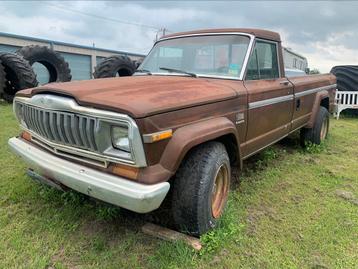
201, 109
141, 96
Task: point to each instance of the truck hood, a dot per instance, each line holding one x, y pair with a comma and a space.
140, 96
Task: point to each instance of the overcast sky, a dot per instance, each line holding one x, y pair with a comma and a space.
325, 32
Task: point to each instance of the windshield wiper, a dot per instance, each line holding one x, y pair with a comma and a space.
179, 71
143, 71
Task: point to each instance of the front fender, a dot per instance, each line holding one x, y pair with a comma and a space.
189, 136
182, 141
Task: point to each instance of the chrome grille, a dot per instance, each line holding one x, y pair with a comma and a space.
61, 127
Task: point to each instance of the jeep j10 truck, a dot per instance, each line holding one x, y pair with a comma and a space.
200, 103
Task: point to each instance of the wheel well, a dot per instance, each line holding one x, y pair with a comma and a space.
231, 146
325, 103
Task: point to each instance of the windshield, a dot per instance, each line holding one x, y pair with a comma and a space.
215, 55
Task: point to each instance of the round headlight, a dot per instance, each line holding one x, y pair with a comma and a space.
120, 139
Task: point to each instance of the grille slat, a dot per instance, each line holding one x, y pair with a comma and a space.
39, 122
45, 124
90, 132
67, 127
61, 127
28, 113
81, 124
59, 123
33, 113
53, 126
25, 115
75, 131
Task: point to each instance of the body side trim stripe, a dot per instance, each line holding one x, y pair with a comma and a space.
285, 98
270, 101
307, 92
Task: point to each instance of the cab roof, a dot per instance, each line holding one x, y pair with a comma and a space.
265, 34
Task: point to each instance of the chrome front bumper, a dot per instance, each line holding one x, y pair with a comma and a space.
109, 188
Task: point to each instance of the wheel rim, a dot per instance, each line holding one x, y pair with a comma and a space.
220, 191
324, 129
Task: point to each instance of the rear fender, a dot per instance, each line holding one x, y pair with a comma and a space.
317, 103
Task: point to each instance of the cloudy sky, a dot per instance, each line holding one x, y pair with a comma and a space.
325, 32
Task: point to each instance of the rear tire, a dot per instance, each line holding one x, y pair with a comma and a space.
319, 132
201, 188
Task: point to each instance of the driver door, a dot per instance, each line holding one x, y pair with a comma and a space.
270, 98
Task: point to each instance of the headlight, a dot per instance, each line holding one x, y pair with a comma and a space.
120, 139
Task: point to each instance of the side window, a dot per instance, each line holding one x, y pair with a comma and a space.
253, 67
263, 62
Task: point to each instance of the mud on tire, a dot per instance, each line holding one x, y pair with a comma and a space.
56, 65
115, 65
319, 132
19, 75
195, 186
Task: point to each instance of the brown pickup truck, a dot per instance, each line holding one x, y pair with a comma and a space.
200, 103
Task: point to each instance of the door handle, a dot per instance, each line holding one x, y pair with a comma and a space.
298, 104
284, 83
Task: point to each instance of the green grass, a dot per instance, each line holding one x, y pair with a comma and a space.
289, 208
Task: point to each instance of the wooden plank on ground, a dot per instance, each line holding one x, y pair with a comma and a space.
171, 235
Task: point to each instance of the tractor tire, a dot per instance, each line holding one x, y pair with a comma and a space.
319, 132
116, 65
2, 80
137, 63
347, 77
56, 65
19, 75
200, 189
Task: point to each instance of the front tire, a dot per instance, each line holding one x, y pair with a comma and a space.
319, 132
201, 188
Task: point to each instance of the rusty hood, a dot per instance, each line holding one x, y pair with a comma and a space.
140, 96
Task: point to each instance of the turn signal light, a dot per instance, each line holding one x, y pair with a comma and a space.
26, 135
125, 171
150, 138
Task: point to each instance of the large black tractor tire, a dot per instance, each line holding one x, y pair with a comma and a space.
319, 132
200, 189
2, 80
137, 63
56, 65
116, 65
19, 75
347, 77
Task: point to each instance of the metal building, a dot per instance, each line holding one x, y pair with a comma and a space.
81, 59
